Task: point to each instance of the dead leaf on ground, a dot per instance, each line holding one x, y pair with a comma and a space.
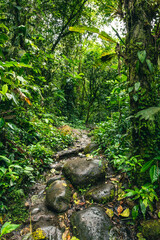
119, 210
110, 212
125, 213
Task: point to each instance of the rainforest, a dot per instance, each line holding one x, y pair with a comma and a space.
79, 119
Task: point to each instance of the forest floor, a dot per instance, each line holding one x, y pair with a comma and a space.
58, 225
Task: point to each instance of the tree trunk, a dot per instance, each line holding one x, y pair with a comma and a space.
140, 53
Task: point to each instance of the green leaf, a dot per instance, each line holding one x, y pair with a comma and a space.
8, 227
135, 211
148, 113
3, 38
137, 66
141, 55
2, 122
146, 166
130, 193
143, 208
130, 89
5, 159
137, 86
150, 65
154, 173
4, 89
103, 35
82, 29
135, 97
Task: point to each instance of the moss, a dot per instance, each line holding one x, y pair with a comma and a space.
151, 229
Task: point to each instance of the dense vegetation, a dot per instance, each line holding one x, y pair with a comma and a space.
58, 67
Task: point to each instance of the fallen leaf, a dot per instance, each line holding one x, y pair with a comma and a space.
1, 220
125, 213
64, 184
89, 156
82, 203
109, 212
119, 210
121, 195
114, 179
66, 235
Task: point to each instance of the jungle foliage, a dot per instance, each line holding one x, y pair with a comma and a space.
57, 67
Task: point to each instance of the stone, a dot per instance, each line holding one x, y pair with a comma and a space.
51, 180
48, 232
90, 148
58, 196
120, 233
83, 172
35, 211
52, 233
151, 229
102, 193
91, 224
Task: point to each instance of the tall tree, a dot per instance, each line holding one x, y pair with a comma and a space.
141, 17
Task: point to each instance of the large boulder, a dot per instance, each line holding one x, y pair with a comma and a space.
84, 171
151, 229
58, 196
102, 193
91, 224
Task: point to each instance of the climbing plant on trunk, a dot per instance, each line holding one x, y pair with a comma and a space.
141, 56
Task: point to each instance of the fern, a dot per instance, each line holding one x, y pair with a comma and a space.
148, 113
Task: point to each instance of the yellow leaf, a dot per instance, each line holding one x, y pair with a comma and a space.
109, 212
64, 184
28, 101
1, 220
77, 202
125, 213
121, 195
89, 156
75, 195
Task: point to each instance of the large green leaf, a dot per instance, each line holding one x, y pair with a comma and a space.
146, 166
137, 86
7, 160
142, 55
82, 29
150, 65
8, 227
130, 193
148, 114
143, 208
4, 89
135, 211
103, 35
154, 173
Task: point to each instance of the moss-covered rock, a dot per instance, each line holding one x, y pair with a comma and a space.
91, 224
58, 196
83, 171
102, 193
151, 229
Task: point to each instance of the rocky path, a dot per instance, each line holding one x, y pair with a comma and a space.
78, 199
